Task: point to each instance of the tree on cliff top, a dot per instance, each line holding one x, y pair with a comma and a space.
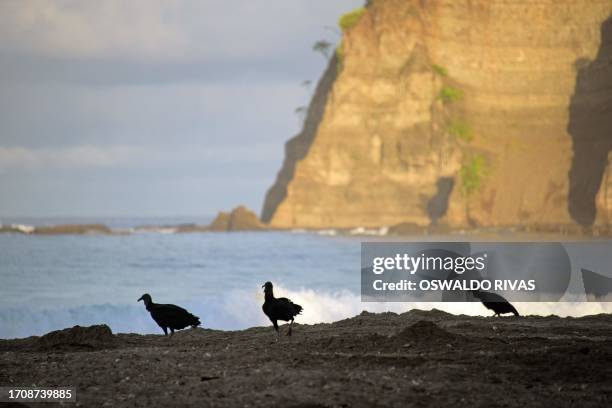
323, 47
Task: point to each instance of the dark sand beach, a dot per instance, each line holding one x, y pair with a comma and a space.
416, 359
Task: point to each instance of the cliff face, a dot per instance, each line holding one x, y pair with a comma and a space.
468, 112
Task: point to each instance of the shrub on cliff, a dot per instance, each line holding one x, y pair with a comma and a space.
350, 19
323, 47
450, 94
472, 173
461, 130
440, 70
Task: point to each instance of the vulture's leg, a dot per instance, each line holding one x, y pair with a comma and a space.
289, 331
165, 329
171, 331
275, 323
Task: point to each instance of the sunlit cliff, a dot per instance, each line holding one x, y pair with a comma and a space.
458, 112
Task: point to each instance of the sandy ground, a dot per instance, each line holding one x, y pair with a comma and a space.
416, 359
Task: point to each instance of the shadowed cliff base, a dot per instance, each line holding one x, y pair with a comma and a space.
590, 126
297, 148
418, 358
438, 204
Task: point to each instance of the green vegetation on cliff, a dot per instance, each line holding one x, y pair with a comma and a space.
350, 19
440, 70
461, 130
472, 174
450, 94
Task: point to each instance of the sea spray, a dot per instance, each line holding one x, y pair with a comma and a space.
240, 309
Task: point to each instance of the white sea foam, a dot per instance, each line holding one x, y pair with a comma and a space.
382, 231
155, 230
26, 229
240, 309
325, 307
327, 232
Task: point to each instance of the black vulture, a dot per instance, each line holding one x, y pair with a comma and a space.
596, 286
495, 302
169, 316
279, 309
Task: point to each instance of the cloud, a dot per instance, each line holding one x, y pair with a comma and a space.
116, 156
84, 29
35, 116
70, 157
157, 29
173, 106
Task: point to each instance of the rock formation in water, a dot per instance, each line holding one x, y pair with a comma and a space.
62, 229
239, 219
73, 229
457, 112
220, 223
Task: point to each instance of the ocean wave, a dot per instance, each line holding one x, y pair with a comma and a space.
26, 229
155, 230
240, 309
327, 232
382, 231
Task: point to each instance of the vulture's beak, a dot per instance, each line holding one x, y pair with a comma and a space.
139, 299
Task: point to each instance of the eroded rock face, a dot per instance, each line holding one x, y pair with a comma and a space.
220, 223
480, 96
243, 219
604, 196
590, 126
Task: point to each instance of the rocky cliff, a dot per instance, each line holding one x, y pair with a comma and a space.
463, 112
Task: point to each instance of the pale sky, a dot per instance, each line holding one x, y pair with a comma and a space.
174, 108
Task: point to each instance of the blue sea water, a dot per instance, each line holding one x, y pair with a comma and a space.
57, 281
52, 282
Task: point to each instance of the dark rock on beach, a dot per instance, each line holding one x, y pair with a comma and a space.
418, 359
77, 338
